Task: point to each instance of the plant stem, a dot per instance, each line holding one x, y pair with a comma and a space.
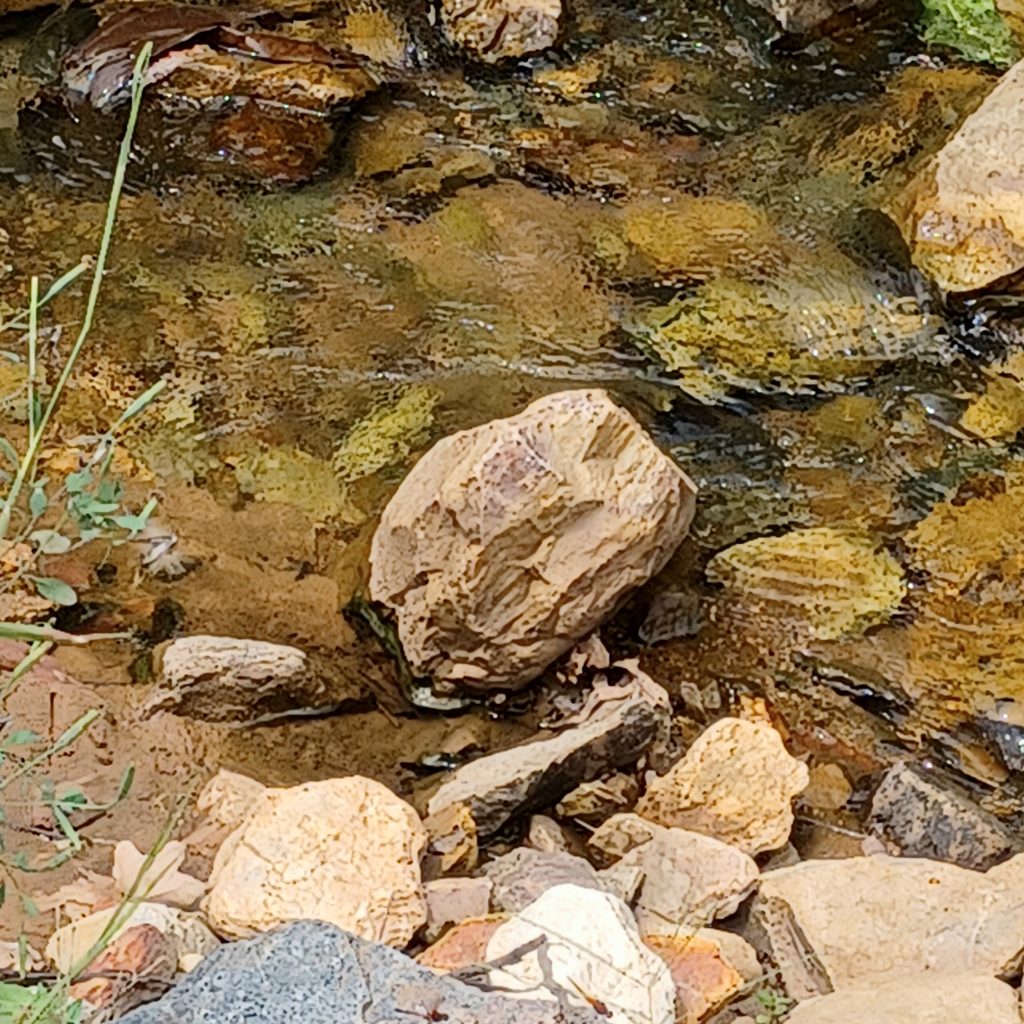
28, 461
33, 340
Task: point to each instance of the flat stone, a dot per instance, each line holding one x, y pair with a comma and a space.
587, 948
519, 877
452, 900
463, 946
801, 16
594, 801
923, 817
224, 679
546, 835
736, 783
837, 924
451, 841
313, 973
534, 775
508, 543
689, 879
187, 934
708, 968
930, 998
342, 850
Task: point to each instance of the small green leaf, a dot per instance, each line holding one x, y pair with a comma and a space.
50, 542
20, 738
141, 402
37, 502
55, 590
77, 482
8, 452
28, 905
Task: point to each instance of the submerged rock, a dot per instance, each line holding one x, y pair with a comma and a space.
924, 818
495, 29
837, 924
931, 998
613, 733
963, 215
223, 679
343, 850
508, 543
588, 950
836, 581
799, 16
315, 973
736, 783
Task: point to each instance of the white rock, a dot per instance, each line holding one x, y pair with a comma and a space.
689, 879
803, 15
507, 543
590, 948
496, 29
736, 783
74, 945
228, 798
836, 924
343, 850
963, 216
931, 998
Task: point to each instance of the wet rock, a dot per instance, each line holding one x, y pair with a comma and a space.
689, 879
343, 850
736, 783
139, 965
836, 924
922, 817
222, 679
516, 781
451, 900
71, 944
313, 972
597, 800
708, 968
839, 581
495, 29
962, 216
930, 998
523, 875
800, 16
589, 948
507, 543
463, 946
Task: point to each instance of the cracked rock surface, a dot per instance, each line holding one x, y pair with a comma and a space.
343, 850
507, 543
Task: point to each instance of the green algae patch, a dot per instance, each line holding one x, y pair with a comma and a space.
839, 582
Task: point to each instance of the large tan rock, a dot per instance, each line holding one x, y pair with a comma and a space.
837, 924
736, 783
585, 946
343, 850
963, 216
508, 543
689, 879
930, 998
496, 29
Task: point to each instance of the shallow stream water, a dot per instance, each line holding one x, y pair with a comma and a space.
677, 205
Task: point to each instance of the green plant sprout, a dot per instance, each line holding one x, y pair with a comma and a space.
91, 498
974, 28
775, 1002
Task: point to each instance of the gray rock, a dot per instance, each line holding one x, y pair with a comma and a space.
519, 877
314, 973
924, 817
224, 679
615, 732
